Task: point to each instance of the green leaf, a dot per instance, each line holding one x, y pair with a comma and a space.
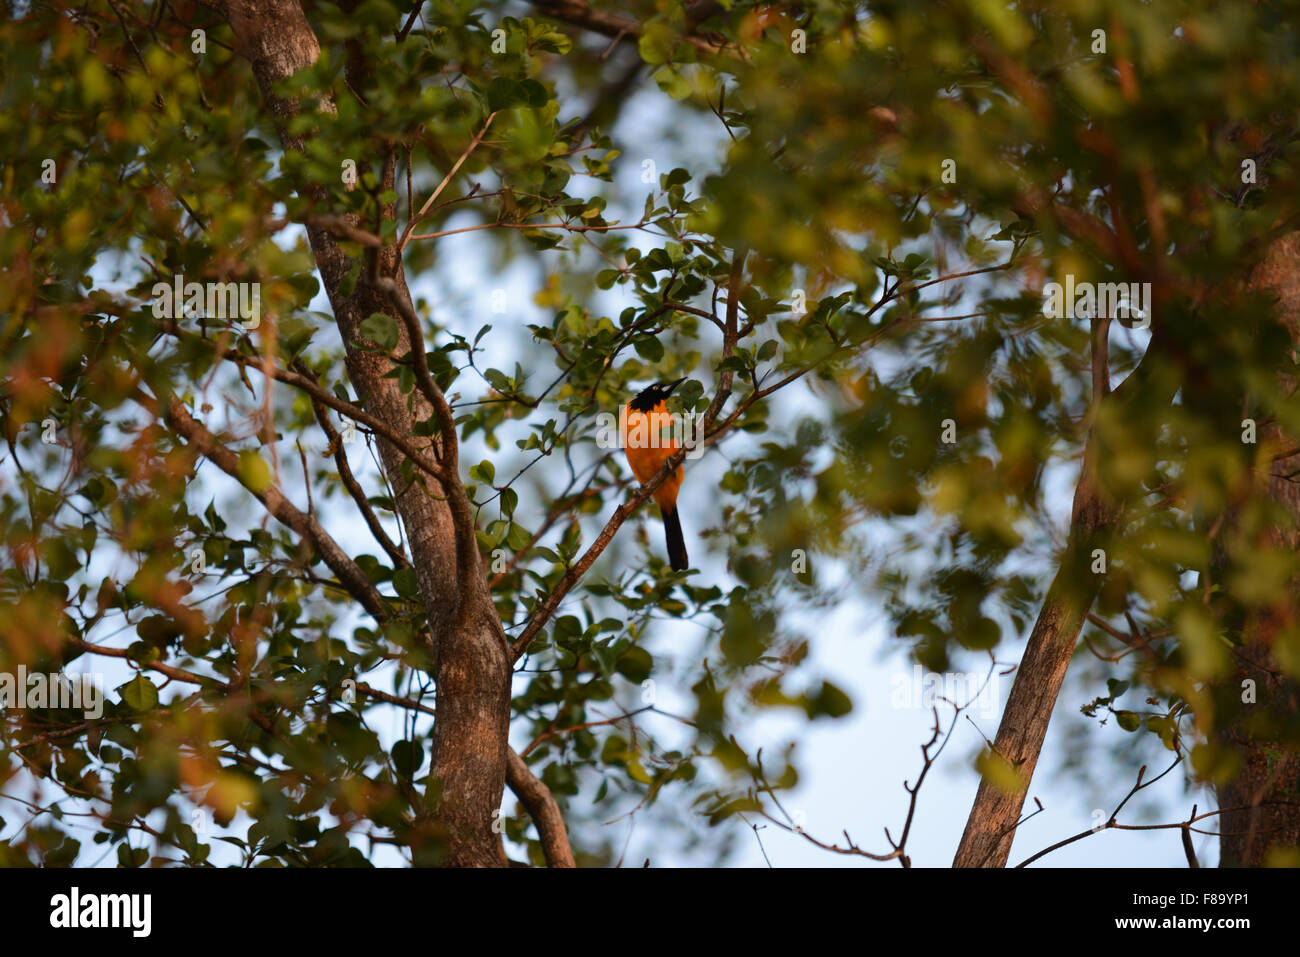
999, 772
253, 472
518, 537
503, 92
381, 329
407, 757
139, 693
649, 348
671, 81
533, 94
128, 856
830, 701
64, 855
635, 664
406, 583
657, 42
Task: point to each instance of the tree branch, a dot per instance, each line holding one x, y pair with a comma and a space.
540, 804
349, 574
580, 14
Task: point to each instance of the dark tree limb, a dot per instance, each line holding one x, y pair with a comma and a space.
542, 808
469, 744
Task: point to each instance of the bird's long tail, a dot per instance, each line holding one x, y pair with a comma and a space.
676, 543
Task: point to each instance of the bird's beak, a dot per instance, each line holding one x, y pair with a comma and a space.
672, 386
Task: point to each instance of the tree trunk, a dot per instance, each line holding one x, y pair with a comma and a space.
472, 669
1267, 787
990, 828
1262, 801
1098, 507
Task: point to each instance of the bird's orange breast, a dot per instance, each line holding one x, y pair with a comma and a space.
647, 448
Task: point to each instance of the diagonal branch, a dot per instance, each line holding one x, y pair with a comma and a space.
424, 210
350, 481
317, 393
197, 435
730, 336
542, 808
543, 612
581, 14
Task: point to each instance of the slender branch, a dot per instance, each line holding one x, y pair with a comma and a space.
729, 338
555, 732
1110, 822
542, 808
352, 577
607, 227
343, 407
928, 760
473, 145
350, 482
580, 14
1184, 826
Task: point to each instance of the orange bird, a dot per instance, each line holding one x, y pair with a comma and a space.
641, 422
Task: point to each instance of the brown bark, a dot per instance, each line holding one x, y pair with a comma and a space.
990, 827
541, 806
472, 670
1267, 788
1098, 508
1263, 798
581, 14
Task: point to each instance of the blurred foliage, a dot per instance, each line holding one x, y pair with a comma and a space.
900, 402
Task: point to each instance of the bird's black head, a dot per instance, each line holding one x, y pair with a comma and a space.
650, 397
